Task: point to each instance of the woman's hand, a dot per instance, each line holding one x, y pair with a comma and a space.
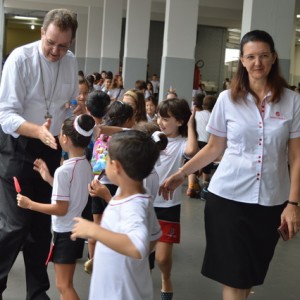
170, 184
291, 216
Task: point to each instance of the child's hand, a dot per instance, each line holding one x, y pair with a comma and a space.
96, 189
80, 108
82, 229
40, 166
193, 110
191, 121
23, 201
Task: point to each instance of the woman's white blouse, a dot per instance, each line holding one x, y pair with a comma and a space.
254, 167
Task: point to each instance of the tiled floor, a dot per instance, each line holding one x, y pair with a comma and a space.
282, 282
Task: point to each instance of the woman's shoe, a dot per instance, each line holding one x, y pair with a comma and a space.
166, 295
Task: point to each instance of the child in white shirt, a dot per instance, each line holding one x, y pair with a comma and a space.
129, 228
69, 198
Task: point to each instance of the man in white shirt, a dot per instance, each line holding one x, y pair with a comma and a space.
37, 80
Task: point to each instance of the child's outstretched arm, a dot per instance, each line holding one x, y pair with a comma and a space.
109, 130
40, 166
118, 242
191, 147
60, 208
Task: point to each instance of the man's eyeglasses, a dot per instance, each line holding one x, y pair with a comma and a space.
58, 46
262, 57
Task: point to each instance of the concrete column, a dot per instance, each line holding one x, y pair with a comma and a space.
177, 69
93, 41
136, 41
264, 15
296, 66
81, 41
111, 35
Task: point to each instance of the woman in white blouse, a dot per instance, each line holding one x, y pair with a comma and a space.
257, 125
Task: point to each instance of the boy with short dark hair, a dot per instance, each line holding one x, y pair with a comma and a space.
129, 228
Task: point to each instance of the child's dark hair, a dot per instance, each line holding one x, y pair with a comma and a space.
97, 103
85, 123
82, 80
177, 108
209, 102
151, 128
141, 85
136, 151
152, 99
198, 101
118, 113
90, 79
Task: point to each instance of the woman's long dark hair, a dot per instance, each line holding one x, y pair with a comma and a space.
240, 83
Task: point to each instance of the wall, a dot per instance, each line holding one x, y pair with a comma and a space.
211, 43
295, 67
16, 37
210, 48
155, 47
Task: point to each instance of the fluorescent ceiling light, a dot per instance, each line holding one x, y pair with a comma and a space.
298, 16
25, 18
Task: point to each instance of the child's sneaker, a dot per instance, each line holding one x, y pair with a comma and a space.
88, 266
193, 190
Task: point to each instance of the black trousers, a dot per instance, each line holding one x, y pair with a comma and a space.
22, 229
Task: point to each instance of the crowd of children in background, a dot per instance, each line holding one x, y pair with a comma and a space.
135, 144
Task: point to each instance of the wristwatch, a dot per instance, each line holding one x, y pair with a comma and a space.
293, 203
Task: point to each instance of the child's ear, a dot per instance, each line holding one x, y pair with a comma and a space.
64, 139
117, 167
179, 123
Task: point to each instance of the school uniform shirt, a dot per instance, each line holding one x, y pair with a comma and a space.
147, 94
170, 160
116, 93
24, 88
155, 85
151, 183
254, 167
201, 118
117, 276
70, 184
197, 92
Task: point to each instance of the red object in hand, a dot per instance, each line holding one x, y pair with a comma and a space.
17, 185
